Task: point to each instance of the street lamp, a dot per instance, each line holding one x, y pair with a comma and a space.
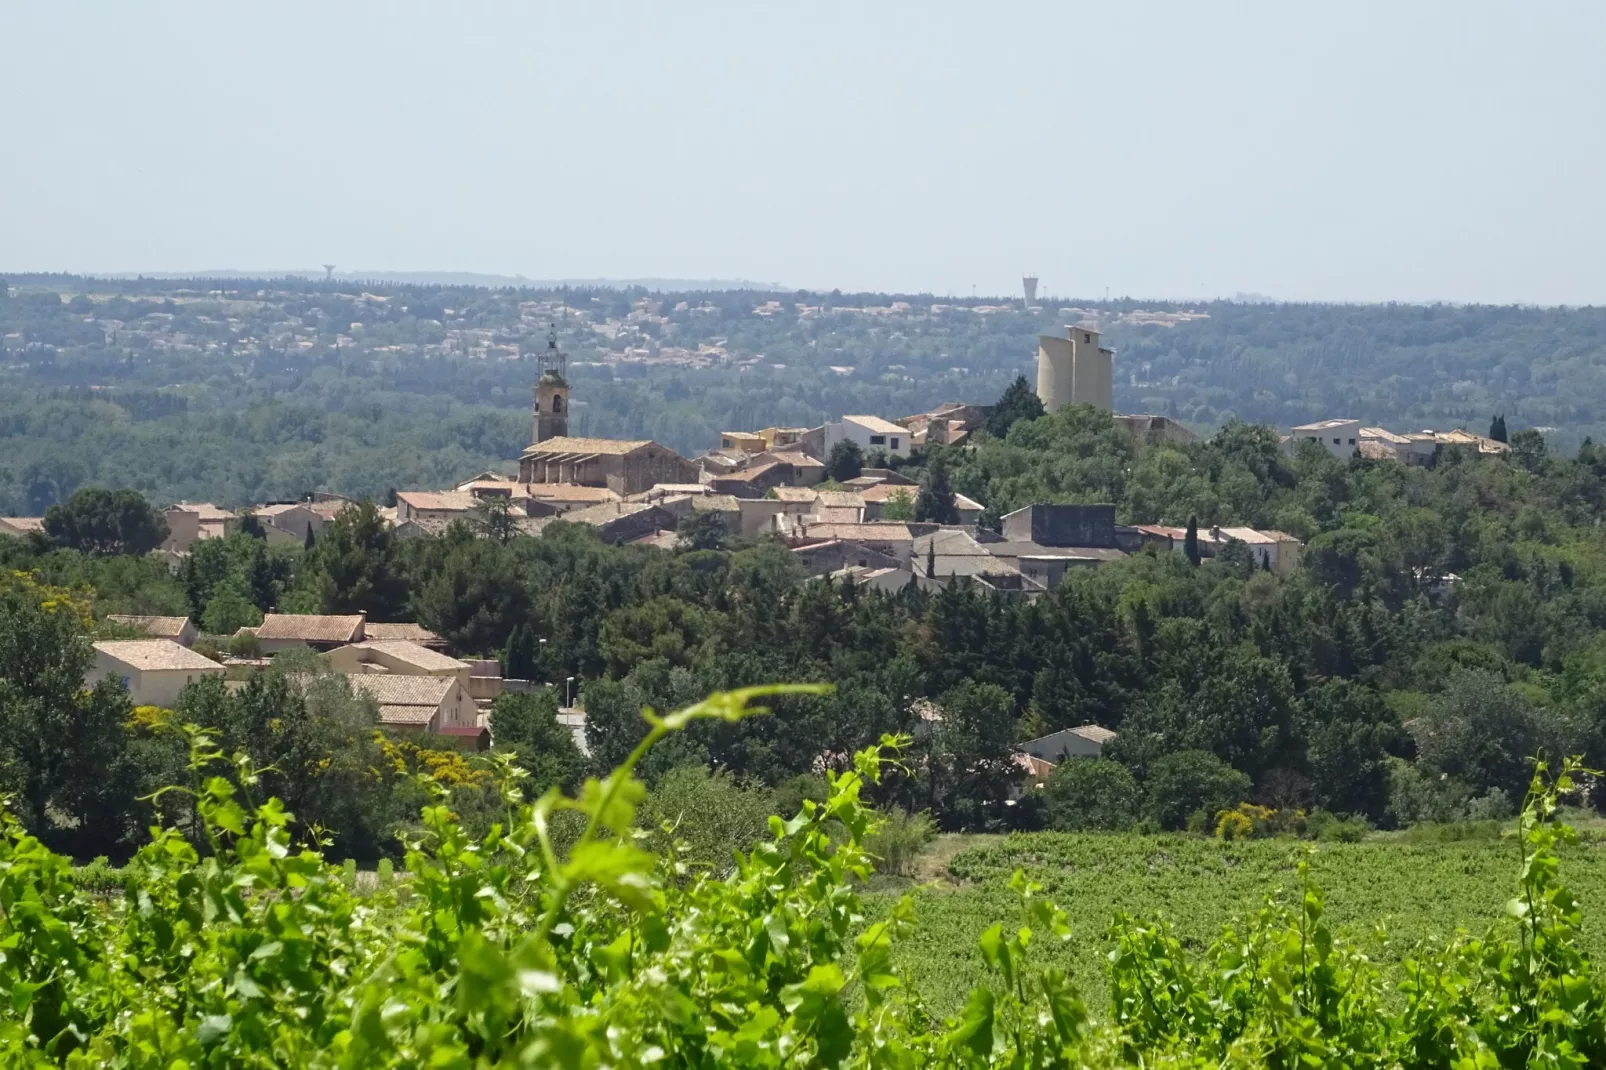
568, 692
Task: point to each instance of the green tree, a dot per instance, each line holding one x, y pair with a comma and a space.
520, 660
494, 518
60, 745
845, 461
708, 813
1482, 732
528, 724
1497, 428
1090, 793
900, 505
473, 595
1019, 402
703, 529
1190, 541
1529, 449
1190, 781
359, 567
106, 522
1348, 734
935, 502
229, 609
968, 765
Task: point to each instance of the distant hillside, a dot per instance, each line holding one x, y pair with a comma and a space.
460, 278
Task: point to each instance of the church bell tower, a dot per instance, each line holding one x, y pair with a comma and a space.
552, 392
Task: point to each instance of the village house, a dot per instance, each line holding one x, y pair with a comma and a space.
1340, 437
1154, 430
949, 424
152, 671
20, 526
624, 467
190, 522
398, 657
287, 631
893, 540
180, 630
621, 522
877, 493
1087, 741
289, 522
437, 705
838, 507
831, 556
1275, 551
412, 633
870, 433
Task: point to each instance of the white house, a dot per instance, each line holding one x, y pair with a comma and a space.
871, 433
153, 671
1341, 438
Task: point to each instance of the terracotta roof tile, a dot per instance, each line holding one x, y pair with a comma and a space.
310, 628
155, 627
155, 654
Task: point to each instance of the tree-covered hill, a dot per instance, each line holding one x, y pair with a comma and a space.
241, 390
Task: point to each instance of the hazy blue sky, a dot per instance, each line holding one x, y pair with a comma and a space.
1374, 151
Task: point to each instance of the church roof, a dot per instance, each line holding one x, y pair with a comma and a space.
564, 444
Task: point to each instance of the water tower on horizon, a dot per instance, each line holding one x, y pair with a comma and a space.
1029, 282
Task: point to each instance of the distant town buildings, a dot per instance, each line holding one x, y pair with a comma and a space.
1344, 438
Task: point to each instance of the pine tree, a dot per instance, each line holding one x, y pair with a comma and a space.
1190, 541
1018, 402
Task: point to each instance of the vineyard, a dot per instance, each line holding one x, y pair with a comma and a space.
1384, 894
232, 942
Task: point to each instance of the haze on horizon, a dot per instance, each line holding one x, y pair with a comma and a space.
1365, 152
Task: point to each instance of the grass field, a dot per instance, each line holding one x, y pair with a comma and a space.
1384, 893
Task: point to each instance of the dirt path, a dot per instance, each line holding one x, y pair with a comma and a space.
932, 865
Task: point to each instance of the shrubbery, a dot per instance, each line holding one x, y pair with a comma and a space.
494, 949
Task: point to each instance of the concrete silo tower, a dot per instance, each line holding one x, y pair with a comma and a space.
1029, 284
1055, 362
1075, 370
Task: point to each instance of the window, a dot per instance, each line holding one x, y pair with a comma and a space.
894, 443
557, 402
1336, 442
1352, 442
878, 440
1088, 338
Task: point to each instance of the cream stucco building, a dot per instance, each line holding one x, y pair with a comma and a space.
153, 671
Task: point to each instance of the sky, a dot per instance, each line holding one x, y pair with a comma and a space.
1351, 151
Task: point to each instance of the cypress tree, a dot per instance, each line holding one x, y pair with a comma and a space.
1190, 541
1497, 428
519, 659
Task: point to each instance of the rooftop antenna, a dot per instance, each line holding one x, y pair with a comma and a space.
328, 272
